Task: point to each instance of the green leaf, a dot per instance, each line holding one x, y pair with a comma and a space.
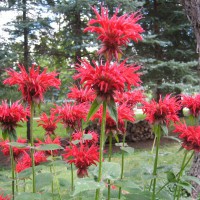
4, 135
26, 195
191, 178
164, 129
137, 194
173, 138
120, 144
94, 107
64, 183
47, 147
126, 184
187, 186
165, 195
129, 150
87, 136
116, 137
75, 142
171, 177
112, 108
18, 145
28, 172
42, 180
110, 170
85, 184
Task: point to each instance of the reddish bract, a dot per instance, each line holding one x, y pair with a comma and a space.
34, 84
116, 31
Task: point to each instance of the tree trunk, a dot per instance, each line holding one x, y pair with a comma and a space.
192, 10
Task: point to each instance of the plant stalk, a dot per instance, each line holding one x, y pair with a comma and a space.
102, 138
109, 160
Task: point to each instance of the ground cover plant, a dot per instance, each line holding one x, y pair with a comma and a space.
107, 95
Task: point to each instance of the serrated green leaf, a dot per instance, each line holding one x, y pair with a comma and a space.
94, 107
42, 180
18, 145
129, 150
85, 184
112, 108
48, 147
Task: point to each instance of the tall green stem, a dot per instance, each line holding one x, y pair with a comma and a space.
122, 164
158, 136
102, 139
109, 159
178, 189
12, 171
32, 145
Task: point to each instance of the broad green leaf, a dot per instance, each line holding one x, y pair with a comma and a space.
112, 108
47, 147
165, 195
126, 184
4, 135
164, 129
85, 184
171, 176
94, 107
191, 178
129, 150
110, 170
18, 145
28, 172
136, 194
12, 135
87, 136
26, 195
64, 182
42, 180
187, 186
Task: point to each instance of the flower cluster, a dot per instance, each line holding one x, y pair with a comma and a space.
163, 111
11, 115
34, 84
193, 103
4, 197
115, 32
190, 136
49, 124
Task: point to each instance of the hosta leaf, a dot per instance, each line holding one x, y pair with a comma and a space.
47, 147
85, 184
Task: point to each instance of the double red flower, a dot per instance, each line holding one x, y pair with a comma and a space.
115, 32
34, 84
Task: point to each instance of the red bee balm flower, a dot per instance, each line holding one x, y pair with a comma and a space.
163, 112
3, 197
32, 85
190, 136
82, 156
11, 115
193, 103
108, 78
71, 114
49, 124
116, 31
81, 95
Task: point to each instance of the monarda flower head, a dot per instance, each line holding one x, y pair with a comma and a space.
106, 79
115, 32
81, 95
190, 136
89, 142
34, 84
10, 116
71, 115
82, 156
163, 111
49, 124
5, 197
193, 103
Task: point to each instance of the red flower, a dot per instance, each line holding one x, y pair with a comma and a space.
82, 156
48, 140
11, 115
79, 136
108, 78
71, 115
3, 197
81, 95
190, 136
124, 114
163, 112
5, 148
49, 124
193, 103
34, 84
129, 98
116, 31
25, 162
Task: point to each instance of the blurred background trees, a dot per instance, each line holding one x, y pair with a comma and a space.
49, 33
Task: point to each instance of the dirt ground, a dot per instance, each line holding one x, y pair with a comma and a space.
5, 161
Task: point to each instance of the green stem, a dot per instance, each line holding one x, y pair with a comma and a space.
109, 160
158, 136
24, 186
122, 167
178, 189
52, 186
12, 171
102, 138
32, 145
16, 180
